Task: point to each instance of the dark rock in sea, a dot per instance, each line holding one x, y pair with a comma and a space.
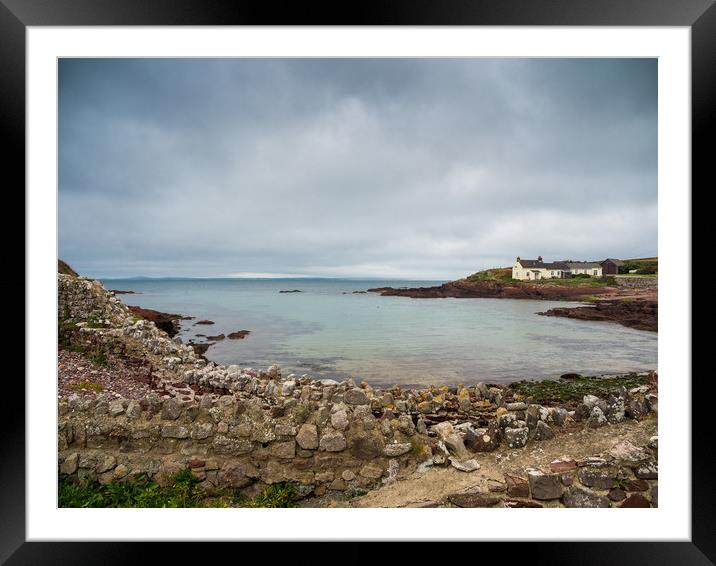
238, 335
205, 322
120, 292
570, 376
217, 337
640, 314
167, 322
292, 291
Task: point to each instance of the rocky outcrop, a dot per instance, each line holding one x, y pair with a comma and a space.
465, 289
639, 314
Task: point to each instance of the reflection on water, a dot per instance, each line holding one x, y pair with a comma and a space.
327, 331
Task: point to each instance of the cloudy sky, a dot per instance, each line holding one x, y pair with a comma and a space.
410, 168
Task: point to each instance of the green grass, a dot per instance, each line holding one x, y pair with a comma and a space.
503, 274
275, 495
182, 490
562, 390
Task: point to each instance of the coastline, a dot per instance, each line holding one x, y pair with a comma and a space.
240, 428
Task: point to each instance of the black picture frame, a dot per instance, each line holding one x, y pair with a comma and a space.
699, 15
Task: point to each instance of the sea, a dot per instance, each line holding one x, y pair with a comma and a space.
332, 329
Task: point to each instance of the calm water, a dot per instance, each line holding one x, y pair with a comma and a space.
327, 331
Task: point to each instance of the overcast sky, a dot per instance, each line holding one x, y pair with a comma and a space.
411, 168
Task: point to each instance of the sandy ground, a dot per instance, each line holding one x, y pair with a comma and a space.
434, 485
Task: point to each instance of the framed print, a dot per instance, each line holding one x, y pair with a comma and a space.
394, 277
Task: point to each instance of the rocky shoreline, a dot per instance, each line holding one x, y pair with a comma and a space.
239, 427
638, 314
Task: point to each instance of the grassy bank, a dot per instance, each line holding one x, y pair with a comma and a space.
182, 490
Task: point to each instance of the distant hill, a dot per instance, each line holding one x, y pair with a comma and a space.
65, 269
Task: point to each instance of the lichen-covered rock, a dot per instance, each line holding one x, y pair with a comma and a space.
543, 431
69, 465
596, 418
544, 486
395, 449
581, 498
171, 409
647, 471
469, 465
597, 477
485, 440
307, 437
356, 397
332, 442
516, 437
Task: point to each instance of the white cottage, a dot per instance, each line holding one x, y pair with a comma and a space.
536, 269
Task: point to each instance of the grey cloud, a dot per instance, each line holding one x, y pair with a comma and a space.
400, 167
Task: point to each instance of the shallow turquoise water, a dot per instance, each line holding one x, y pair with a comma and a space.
327, 331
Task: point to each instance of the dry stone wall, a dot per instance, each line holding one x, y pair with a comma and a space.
636, 282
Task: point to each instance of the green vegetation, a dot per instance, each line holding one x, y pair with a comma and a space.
87, 386
556, 391
65, 269
503, 274
275, 495
352, 494
643, 266
182, 490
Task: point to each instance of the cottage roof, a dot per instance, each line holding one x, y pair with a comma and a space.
582, 264
528, 263
614, 261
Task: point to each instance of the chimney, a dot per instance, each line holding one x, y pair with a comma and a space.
539, 258
518, 258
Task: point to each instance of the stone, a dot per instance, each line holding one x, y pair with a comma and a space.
472, 500
443, 430
105, 463
581, 413
596, 418
332, 442
69, 465
236, 474
348, 475
628, 453
337, 484
655, 496
200, 431
134, 410
544, 486
562, 465
116, 407
652, 402
456, 446
307, 437
636, 500
615, 411
371, 471
465, 465
339, 420
406, 425
516, 437
647, 471
636, 408
287, 388
486, 441
637, 485
175, 431
356, 397
286, 449
171, 409
518, 406
576, 497
532, 416
517, 486
596, 477
394, 449
592, 401
365, 447
616, 494
543, 431
120, 471
558, 415
496, 486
